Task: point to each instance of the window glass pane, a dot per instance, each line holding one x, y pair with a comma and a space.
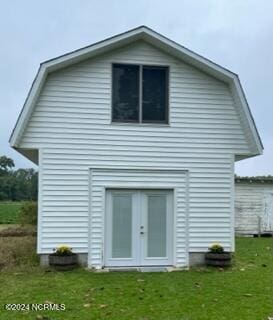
157, 232
125, 93
155, 94
122, 226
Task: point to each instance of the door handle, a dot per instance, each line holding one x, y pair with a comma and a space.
141, 232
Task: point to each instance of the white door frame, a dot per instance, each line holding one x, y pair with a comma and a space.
137, 178
139, 221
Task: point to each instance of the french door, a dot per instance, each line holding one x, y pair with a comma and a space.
138, 228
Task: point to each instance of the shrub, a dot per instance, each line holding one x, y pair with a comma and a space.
28, 213
216, 248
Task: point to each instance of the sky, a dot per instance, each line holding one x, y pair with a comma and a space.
237, 34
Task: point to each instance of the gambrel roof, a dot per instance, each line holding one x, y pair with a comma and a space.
160, 42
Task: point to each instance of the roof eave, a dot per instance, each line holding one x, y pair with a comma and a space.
143, 33
32, 95
258, 149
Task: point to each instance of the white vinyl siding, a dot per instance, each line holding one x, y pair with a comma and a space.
72, 125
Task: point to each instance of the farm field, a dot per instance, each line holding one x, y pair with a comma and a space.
9, 212
243, 291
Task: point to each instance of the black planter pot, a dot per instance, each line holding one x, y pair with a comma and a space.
218, 259
63, 263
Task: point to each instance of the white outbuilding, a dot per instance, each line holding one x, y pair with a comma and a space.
135, 138
254, 205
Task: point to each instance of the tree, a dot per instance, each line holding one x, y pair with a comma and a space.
26, 184
6, 164
16, 185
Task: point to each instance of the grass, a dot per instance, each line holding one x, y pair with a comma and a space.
241, 292
9, 212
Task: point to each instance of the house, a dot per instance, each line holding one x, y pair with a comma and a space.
136, 138
254, 205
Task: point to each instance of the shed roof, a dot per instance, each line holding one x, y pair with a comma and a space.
254, 179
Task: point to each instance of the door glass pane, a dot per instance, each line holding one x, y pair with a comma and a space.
156, 238
122, 226
155, 94
125, 93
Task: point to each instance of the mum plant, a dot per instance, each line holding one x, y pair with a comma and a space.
63, 258
216, 248
63, 250
216, 256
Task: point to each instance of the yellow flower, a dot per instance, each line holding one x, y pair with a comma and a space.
63, 250
216, 248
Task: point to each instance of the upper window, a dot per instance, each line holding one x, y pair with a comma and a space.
139, 94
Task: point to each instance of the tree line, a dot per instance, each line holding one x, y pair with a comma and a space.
17, 185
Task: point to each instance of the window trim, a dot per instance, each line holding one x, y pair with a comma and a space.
140, 121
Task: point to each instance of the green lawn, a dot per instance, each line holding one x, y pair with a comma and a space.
241, 292
9, 212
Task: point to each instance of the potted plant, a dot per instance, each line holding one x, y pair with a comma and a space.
217, 256
63, 258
